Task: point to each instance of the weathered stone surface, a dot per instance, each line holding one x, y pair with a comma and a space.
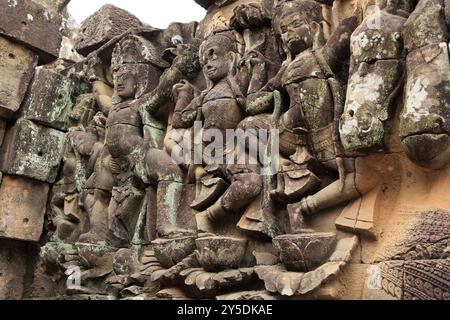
49, 100
248, 295
327, 74
209, 283
369, 42
426, 25
344, 250
376, 72
23, 207
171, 294
123, 212
304, 252
32, 25
55, 5
32, 151
108, 22
17, 68
170, 252
279, 280
425, 119
13, 264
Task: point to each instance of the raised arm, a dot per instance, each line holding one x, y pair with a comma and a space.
186, 65
260, 97
337, 48
187, 105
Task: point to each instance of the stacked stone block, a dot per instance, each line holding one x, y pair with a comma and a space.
34, 108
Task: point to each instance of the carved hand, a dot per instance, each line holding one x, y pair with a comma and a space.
249, 15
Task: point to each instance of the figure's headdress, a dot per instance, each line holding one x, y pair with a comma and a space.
308, 10
139, 57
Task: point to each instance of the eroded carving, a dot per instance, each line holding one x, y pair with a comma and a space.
340, 174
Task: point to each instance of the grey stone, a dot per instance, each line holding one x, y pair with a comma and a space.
33, 25
23, 208
49, 101
16, 68
105, 24
32, 151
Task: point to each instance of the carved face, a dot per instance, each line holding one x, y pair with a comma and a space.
294, 22
125, 83
296, 33
216, 58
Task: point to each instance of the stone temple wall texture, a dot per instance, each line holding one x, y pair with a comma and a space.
94, 205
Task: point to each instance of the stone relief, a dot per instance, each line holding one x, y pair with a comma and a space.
119, 181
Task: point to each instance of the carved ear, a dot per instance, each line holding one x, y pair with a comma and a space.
318, 36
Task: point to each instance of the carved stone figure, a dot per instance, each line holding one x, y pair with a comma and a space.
425, 120
121, 177
160, 168
114, 168
84, 144
308, 133
219, 108
376, 78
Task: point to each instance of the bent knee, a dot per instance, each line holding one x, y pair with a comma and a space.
161, 167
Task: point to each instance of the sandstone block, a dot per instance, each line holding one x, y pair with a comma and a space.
49, 101
23, 208
105, 24
16, 68
33, 25
13, 263
32, 151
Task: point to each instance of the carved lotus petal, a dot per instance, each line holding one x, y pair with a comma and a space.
207, 257
291, 252
304, 252
169, 252
219, 253
226, 257
314, 250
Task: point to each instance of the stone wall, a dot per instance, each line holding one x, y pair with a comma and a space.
94, 205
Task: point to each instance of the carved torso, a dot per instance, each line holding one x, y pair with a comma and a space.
123, 131
308, 90
220, 109
124, 113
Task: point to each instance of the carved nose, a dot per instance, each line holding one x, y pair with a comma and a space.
430, 124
